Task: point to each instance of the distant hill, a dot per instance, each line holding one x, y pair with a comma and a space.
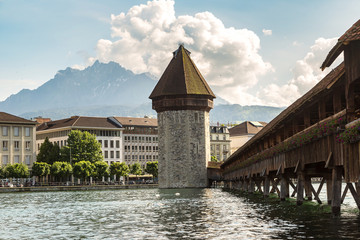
107, 89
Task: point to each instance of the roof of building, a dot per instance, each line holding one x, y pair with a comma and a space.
247, 128
181, 77
79, 121
219, 129
352, 34
131, 121
9, 118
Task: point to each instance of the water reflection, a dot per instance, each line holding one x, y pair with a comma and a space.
164, 214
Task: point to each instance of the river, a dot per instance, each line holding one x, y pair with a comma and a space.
166, 214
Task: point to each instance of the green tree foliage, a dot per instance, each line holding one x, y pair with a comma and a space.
214, 159
48, 153
152, 168
119, 169
101, 170
61, 170
17, 170
82, 146
2, 175
83, 169
136, 169
40, 169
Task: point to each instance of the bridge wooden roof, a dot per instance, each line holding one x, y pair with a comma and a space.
352, 34
181, 77
326, 83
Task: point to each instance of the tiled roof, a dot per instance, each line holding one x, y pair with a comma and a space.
245, 128
352, 34
8, 118
130, 121
78, 121
181, 77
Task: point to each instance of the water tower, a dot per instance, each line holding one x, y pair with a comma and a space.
182, 100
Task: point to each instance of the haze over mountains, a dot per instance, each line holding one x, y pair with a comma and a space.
107, 89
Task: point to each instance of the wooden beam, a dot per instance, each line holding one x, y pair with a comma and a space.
354, 194
336, 190
274, 187
329, 162
316, 196
297, 166
266, 186
300, 188
344, 193
278, 171
320, 186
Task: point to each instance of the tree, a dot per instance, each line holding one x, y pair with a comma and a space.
40, 169
83, 169
17, 170
82, 146
49, 152
101, 170
152, 168
119, 169
61, 170
214, 159
136, 169
2, 172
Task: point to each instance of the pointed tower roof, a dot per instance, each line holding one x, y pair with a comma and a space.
181, 77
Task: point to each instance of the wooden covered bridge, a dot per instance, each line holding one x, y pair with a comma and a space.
316, 137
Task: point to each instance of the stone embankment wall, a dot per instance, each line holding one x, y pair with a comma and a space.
75, 188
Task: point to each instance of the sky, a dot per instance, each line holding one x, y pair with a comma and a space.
250, 52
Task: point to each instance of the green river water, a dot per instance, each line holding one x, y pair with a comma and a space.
167, 214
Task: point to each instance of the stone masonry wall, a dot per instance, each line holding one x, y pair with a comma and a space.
184, 148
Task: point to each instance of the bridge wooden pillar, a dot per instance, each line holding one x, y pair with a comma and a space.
307, 187
266, 186
329, 189
284, 187
251, 185
300, 188
336, 190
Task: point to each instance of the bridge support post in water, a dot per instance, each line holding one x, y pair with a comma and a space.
329, 189
284, 187
307, 186
300, 188
266, 186
251, 185
336, 190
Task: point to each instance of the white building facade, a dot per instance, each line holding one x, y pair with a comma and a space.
17, 139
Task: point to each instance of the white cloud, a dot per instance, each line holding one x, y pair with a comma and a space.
267, 32
145, 36
307, 73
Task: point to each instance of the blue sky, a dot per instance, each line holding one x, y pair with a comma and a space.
261, 52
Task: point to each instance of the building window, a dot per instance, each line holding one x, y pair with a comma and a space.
5, 159
5, 131
217, 147
117, 154
5, 145
27, 145
117, 144
16, 145
16, 159
112, 143
27, 159
16, 131
111, 154
106, 154
106, 143
27, 132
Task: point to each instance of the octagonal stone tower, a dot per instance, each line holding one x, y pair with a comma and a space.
182, 100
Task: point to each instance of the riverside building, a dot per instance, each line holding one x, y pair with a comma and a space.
108, 131
140, 140
219, 142
17, 140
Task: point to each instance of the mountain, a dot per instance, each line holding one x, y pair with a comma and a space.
100, 84
107, 89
